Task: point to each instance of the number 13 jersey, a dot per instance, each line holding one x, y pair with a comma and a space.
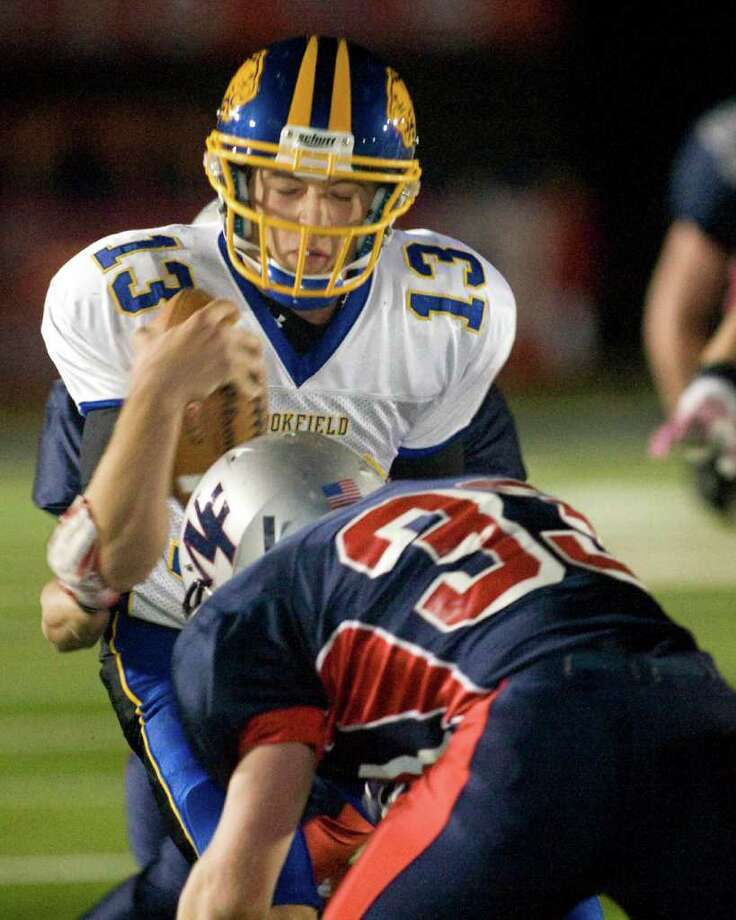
402, 366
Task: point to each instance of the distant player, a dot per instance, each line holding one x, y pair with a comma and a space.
388, 340
689, 317
559, 735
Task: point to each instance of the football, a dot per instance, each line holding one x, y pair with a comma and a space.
215, 425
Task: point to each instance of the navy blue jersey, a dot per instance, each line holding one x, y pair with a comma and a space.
490, 442
371, 632
56, 483
703, 187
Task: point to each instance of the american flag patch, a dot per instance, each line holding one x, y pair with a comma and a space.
341, 493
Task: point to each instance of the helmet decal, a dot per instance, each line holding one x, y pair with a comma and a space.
260, 493
204, 538
400, 109
341, 493
340, 109
243, 87
300, 110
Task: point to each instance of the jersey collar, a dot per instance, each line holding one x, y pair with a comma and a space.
301, 367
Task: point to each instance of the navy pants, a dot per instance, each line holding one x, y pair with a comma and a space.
590, 772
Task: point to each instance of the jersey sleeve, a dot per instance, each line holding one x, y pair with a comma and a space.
490, 442
56, 481
101, 297
473, 359
703, 184
305, 724
243, 674
89, 344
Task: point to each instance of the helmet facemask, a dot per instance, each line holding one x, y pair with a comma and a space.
247, 229
316, 109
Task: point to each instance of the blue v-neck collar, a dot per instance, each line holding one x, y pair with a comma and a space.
301, 367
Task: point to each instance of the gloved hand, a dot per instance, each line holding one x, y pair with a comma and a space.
72, 556
704, 426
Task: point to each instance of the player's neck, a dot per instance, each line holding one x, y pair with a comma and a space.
319, 317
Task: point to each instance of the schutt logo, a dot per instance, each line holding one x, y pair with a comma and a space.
316, 140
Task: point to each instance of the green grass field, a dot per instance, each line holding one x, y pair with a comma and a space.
61, 756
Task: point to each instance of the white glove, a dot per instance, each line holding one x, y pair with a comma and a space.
704, 423
72, 557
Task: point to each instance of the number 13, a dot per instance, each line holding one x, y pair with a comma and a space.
422, 259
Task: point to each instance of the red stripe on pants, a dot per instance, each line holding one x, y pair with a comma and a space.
414, 822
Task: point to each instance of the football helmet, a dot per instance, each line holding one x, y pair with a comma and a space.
315, 108
258, 493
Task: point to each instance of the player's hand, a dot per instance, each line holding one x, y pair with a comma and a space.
191, 360
65, 624
73, 556
703, 426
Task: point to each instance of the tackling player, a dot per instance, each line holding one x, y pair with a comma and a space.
694, 367
386, 339
559, 735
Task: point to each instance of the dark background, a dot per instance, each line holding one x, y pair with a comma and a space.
106, 105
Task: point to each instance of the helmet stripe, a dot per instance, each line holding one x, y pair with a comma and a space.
301, 102
340, 109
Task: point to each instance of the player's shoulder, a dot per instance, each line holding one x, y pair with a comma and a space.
150, 244
133, 271
329, 545
320, 534
703, 179
429, 275
423, 254
428, 241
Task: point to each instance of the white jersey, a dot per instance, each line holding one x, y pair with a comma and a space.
404, 364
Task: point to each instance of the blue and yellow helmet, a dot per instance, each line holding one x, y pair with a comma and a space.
318, 108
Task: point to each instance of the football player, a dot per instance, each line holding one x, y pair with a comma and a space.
694, 367
336, 835
388, 340
558, 734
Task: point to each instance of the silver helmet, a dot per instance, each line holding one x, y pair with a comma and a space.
258, 493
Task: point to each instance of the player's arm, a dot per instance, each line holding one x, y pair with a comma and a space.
683, 297
721, 348
236, 876
124, 507
694, 374
56, 483
489, 446
490, 442
56, 479
448, 461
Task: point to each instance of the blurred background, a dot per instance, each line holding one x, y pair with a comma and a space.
546, 132
546, 128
